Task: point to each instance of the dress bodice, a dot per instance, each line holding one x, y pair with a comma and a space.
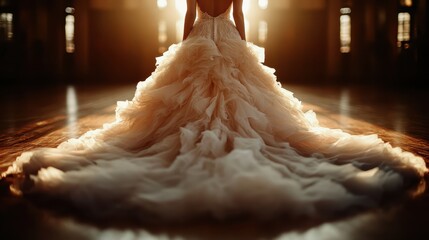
214, 27
205, 15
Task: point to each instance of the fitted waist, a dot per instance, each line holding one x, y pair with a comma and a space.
214, 28
204, 15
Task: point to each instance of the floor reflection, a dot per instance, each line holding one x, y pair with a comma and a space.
46, 118
393, 223
344, 106
72, 112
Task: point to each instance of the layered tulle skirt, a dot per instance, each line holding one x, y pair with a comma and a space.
212, 132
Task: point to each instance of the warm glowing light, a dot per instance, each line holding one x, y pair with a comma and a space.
345, 33
247, 27
162, 31
407, 3
248, 9
72, 111
174, 19
162, 3
345, 103
69, 30
162, 35
262, 31
179, 29
246, 6
69, 10
181, 7
404, 27
344, 107
263, 4
6, 26
345, 11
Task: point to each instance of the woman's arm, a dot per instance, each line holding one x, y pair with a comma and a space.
189, 18
239, 18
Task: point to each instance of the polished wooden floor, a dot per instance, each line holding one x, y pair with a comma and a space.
43, 117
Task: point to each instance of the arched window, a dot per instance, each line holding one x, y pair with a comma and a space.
6, 26
404, 23
69, 30
345, 30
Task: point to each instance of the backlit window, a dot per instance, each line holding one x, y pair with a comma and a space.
404, 26
345, 30
6, 26
69, 30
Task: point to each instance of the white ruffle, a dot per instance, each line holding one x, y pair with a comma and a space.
211, 131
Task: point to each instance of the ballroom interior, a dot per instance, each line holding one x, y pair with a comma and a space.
361, 65
381, 42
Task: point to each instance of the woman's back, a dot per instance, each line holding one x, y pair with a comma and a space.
214, 7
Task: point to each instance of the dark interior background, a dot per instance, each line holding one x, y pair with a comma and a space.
116, 41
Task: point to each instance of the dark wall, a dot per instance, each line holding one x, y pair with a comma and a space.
35, 53
121, 43
296, 45
116, 43
422, 41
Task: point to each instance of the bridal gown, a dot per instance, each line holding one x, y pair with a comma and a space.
211, 132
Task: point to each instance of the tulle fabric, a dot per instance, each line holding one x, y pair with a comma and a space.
211, 132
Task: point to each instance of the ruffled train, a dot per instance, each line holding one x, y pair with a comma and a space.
212, 132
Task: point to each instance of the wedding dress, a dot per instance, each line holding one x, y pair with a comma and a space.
211, 132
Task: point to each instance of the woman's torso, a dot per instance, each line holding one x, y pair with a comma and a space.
214, 7
214, 21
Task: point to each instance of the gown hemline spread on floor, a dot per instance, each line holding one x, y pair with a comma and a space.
212, 132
